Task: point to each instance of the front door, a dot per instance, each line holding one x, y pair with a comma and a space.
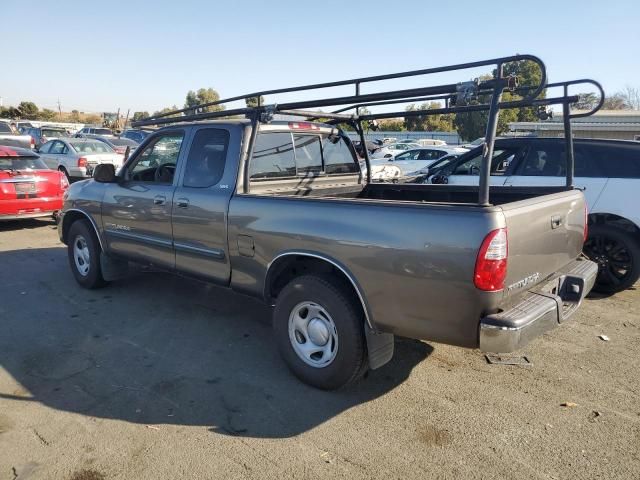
136, 212
200, 206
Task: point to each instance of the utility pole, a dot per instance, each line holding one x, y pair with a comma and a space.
59, 110
126, 119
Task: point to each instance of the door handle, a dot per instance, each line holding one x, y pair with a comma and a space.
182, 202
159, 200
556, 221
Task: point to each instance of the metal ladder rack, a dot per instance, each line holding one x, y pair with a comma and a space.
469, 96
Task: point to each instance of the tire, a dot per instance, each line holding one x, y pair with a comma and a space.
343, 359
617, 253
83, 251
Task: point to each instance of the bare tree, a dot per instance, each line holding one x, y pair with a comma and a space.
614, 102
631, 96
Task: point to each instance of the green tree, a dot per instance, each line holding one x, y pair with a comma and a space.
203, 95
47, 115
253, 101
28, 110
139, 116
430, 123
392, 125
586, 101
167, 110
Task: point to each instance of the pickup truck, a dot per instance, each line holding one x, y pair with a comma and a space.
346, 264
281, 209
10, 137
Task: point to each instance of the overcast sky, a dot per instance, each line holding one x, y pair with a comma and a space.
100, 56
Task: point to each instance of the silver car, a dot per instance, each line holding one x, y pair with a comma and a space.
78, 157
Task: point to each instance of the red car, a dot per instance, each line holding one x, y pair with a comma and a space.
28, 189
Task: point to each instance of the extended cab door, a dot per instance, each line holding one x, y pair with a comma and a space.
545, 165
201, 201
136, 211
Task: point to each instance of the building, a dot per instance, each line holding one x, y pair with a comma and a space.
615, 124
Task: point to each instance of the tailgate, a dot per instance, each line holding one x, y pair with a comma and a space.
545, 234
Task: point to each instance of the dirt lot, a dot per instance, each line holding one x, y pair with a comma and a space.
161, 377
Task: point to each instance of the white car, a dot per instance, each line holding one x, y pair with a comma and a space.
416, 161
608, 171
392, 149
78, 157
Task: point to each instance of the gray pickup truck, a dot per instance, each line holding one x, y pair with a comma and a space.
10, 137
280, 210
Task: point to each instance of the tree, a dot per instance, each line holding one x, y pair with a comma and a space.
253, 101
529, 75
392, 125
586, 101
429, 123
631, 97
139, 116
47, 115
614, 102
75, 116
28, 110
167, 110
203, 95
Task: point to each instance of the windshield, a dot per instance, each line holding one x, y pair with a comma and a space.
123, 142
91, 147
22, 163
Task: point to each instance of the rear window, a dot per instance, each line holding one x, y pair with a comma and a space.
91, 147
102, 131
22, 163
283, 155
5, 128
273, 157
48, 132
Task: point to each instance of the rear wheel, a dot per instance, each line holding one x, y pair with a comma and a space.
319, 330
83, 250
617, 254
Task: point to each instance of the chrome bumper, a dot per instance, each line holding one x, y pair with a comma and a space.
541, 310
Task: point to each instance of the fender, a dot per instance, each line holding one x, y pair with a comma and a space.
85, 214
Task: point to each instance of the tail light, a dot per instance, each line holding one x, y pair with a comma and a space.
32, 142
82, 162
303, 126
491, 264
121, 150
585, 233
64, 182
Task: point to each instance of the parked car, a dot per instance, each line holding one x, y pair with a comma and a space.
346, 264
392, 149
94, 131
119, 145
607, 170
28, 189
137, 135
430, 142
78, 157
413, 162
10, 137
42, 135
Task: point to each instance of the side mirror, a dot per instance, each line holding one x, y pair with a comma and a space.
105, 173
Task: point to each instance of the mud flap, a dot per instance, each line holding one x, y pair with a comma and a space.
113, 268
380, 347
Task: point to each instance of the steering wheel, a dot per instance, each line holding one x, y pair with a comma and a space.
162, 170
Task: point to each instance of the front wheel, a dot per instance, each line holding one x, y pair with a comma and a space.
319, 330
617, 254
83, 250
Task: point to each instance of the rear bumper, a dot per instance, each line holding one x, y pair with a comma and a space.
541, 309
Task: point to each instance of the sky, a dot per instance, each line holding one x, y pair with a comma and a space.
144, 56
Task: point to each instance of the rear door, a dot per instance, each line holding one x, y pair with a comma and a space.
200, 203
544, 164
136, 212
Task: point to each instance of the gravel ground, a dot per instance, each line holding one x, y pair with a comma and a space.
163, 377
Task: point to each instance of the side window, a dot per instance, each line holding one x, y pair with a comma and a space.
57, 148
502, 158
617, 161
338, 158
308, 154
544, 160
45, 148
157, 162
404, 156
272, 157
205, 164
431, 154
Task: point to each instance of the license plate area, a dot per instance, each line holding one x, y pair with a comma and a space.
25, 188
